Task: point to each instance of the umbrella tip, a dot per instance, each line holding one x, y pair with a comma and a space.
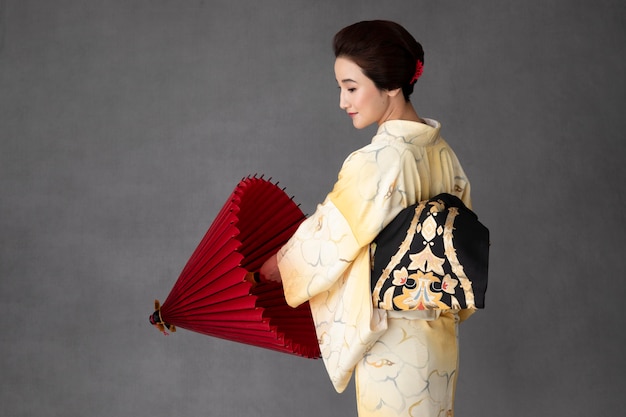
157, 321
154, 318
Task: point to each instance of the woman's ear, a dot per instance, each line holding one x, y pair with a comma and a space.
394, 92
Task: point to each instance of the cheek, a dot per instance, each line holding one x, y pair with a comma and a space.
362, 101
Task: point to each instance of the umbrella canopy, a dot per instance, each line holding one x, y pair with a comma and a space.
214, 294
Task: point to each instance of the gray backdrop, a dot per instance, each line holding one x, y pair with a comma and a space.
125, 125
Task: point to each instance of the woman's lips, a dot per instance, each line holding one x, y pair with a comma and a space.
351, 114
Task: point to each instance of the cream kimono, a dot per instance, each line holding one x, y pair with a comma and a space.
327, 261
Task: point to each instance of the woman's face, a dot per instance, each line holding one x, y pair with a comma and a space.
358, 96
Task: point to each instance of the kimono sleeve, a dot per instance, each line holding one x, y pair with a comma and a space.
317, 254
364, 199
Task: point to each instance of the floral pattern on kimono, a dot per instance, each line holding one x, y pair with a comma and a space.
327, 261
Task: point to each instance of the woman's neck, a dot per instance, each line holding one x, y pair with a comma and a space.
403, 110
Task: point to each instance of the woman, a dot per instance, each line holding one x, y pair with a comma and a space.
405, 363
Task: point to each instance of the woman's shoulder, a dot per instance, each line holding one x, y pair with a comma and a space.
377, 159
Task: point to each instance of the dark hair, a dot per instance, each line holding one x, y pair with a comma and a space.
385, 51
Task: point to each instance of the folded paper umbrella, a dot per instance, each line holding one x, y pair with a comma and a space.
215, 294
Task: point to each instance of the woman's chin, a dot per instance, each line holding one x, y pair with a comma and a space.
358, 125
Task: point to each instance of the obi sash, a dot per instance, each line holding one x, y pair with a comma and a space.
434, 255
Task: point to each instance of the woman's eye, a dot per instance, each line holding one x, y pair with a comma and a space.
351, 90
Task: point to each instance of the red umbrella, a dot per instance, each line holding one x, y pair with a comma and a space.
215, 294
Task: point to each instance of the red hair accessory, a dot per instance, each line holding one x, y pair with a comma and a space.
419, 69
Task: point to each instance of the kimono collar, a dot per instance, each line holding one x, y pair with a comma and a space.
415, 133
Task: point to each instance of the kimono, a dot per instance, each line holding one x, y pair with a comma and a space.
327, 262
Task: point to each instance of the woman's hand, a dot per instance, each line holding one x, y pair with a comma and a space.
269, 272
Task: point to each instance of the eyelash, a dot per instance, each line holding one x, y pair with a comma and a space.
350, 90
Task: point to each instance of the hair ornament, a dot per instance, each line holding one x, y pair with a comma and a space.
419, 69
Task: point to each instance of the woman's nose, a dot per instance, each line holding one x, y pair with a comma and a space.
343, 104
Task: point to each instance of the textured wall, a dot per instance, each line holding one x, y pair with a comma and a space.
124, 126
